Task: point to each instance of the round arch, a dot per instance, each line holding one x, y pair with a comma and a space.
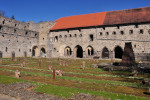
105, 53
118, 52
43, 52
89, 51
34, 51
78, 51
67, 51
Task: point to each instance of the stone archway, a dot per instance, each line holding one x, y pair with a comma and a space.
118, 52
105, 53
67, 51
34, 51
78, 51
89, 51
43, 52
1, 54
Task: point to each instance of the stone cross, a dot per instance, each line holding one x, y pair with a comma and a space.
40, 60
17, 74
83, 65
59, 72
60, 63
50, 67
23, 64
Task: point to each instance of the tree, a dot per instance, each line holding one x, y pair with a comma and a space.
12, 17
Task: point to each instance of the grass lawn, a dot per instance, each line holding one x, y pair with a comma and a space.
113, 85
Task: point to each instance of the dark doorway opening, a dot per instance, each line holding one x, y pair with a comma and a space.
13, 55
79, 51
118, 52
43, 50
1, 54
25, 54
34, 51
105, 53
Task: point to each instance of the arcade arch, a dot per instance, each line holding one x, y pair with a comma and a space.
89, 51
34, 51
78, 51
105, 53
67, 51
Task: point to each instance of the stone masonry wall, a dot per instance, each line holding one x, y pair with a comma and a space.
108, 37
16, 37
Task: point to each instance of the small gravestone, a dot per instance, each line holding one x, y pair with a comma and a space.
17, 74
50, 67
23, 64
40, 60
60, 63
83, 65
58, 72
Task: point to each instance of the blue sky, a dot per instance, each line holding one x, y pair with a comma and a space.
46, 10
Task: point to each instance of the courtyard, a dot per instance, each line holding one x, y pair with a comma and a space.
109, 85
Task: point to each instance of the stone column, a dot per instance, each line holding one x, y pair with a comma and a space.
84, 54
75, 52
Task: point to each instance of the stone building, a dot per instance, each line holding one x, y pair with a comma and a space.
19, 39
101, 34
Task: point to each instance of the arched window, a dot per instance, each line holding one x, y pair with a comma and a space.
114, 33
121, 32
56, 39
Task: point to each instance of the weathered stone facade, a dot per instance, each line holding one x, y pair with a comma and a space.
102, 40
102, 35
20, 39
81, 38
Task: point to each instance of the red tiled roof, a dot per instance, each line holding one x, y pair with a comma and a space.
85, 20
104, 18
128, 16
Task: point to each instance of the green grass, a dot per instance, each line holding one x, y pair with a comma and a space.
82, 79
8, 80
66, 92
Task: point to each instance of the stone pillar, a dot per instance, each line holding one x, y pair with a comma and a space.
128, 58
111, 54
84, 54
75, 53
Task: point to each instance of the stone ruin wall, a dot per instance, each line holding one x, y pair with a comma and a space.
43, 36
20, 38
109, 37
